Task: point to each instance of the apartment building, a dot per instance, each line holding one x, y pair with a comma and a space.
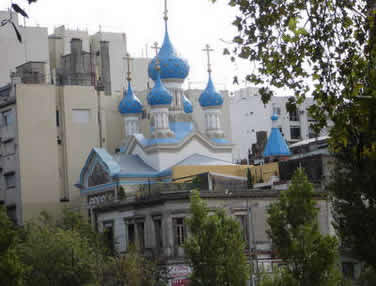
249, 116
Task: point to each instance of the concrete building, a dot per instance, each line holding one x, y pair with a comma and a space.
249, 115
34, 47
47, 132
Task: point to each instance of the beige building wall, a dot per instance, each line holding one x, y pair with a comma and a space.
34, 47
112, 123
81, 132
38, 152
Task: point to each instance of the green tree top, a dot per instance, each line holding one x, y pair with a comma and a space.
215, 247
310, 256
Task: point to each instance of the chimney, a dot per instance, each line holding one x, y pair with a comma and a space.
105, 67
76, 52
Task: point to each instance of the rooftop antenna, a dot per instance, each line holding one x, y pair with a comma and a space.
208, 50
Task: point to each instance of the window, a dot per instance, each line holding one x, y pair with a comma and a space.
9, 148
243, 220
141, 235
12, 213
277, 110
158, 233
348, 270
294, 115
295, 132
80, 115
108, 230
57, 118
131, 234
8, 117
179, 231
10, 180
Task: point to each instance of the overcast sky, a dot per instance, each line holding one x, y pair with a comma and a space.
192, 25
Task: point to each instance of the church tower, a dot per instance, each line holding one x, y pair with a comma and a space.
173, 72
130, 107
211, 102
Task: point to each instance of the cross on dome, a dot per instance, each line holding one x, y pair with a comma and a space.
128, 59
208, 50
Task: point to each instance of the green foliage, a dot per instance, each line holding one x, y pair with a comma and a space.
310, 256
368, 277
59, 254
327, 49
133, 269
11, 267
215, 248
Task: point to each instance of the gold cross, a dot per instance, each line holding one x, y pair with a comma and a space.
208, 50
165, 11
156, 48
128, 59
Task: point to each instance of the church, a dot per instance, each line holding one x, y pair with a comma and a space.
172, 139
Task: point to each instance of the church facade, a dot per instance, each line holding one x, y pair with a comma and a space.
172, 139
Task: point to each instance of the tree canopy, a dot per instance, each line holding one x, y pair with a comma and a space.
216, 247
327, 49
310, 257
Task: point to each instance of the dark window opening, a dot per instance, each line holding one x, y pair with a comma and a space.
179, 231
348, 270
57, 118
108, 231
295, 132
294, 115
131, 234
12, 213
141, 235
158, 233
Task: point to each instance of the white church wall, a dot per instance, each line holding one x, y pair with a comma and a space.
162, 160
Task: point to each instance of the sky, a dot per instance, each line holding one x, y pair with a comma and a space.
192, 25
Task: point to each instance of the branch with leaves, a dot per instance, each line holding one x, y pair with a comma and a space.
16, 8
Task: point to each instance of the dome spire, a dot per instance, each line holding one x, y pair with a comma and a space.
129, 59
165, 13
208, 50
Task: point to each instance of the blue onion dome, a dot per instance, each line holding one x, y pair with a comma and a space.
210, 97
188, 108
159, 95
172, 66
274, 117
130, 104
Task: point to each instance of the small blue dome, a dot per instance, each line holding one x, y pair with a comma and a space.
159, 95
130, 104
188, 108
276, 145
210, 97
172, 66
274, 117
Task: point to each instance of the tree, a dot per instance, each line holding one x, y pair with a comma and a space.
216, 247
327, 49
310, 256
133, 269
16, 8
57, 255
11, 267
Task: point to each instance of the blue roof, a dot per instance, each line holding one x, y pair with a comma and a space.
130, 104
188, 108
276, 145
159, 95
181, 131
172, 66
210, 97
